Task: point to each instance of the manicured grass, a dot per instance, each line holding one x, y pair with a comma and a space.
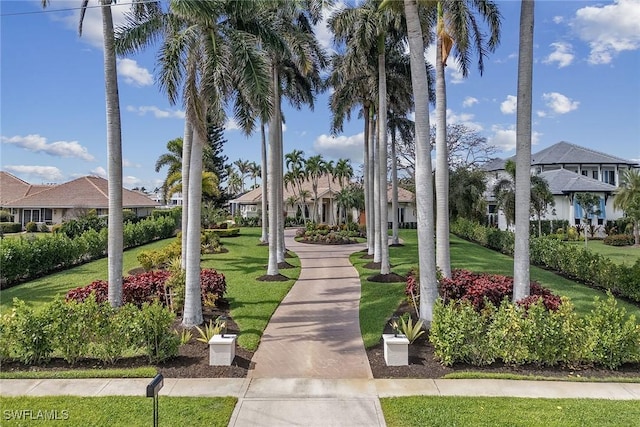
117, 411
504, 376
145, 372
379, 300
46, 288
252, 301
494, 411
619, 254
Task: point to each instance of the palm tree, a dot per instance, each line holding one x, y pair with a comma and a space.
264, 237
504, 192
398, 124
211, 52
466, 193
590, 204
457, 28
254, 173
173, 161
315, 167
114, 143
423, 176
234, 183
541, 199
627, 198
244, 169
343, 172
521, 274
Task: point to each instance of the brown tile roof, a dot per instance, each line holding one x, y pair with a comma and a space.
13, 188
255, 195
88, 191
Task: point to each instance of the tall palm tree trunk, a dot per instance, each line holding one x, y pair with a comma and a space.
192, 297
371, 215
395, 238
382, 153
423, 173
281, 245
263, 149
366, 183
186, 159
272, 267
377, 231
521, 274
442, 166
114, 162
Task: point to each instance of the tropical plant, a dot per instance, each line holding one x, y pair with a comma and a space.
211, 329
244, 169
627, 198
521, 275
590, 204
541, 199
410, 330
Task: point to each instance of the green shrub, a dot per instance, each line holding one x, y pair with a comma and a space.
44, 228
5, 216
159, 341
117, 333
72, 328
32, 333
458, 333
31, 227
619, 240
611, 337
7, 334
10, 227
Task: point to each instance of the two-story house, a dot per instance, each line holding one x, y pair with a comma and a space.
568, 169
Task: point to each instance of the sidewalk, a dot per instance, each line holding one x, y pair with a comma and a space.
311, 368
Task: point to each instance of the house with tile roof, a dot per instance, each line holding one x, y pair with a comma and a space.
53, 204
569, 169
249, 204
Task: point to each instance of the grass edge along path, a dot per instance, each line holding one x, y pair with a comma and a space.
143, 372
117, 410
507, 411
379, 300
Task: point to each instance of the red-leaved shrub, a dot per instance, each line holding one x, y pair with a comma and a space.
147, 287
478, 288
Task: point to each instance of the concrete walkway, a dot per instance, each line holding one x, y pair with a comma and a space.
311, 368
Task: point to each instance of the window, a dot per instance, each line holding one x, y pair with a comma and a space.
594, 174
585, 172
400, 215
609, 177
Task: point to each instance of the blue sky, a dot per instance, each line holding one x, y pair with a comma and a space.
586, 91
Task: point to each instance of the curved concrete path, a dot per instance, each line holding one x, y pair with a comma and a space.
315, 332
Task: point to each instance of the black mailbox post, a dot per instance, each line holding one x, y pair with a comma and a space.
152, 391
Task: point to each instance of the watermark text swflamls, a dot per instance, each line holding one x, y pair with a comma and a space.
35, 415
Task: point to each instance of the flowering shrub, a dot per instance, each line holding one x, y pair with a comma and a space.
212, 283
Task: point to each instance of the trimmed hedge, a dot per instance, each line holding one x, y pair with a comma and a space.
514, 335
10, 227
575, 262
619, 240
24, 259
224, 232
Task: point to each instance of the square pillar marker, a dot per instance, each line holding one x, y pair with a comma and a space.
222, 350
396, 350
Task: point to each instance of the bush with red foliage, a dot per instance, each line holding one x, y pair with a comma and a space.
212, 282
479, 288
146, 287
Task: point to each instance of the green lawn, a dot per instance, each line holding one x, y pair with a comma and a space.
493, 411
46, 288
252, 301
116, 411
619, 254
379, 300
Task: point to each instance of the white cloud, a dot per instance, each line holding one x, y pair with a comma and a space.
38, 144
558, 19
469, 101
131, 181
348, 147
454, 118
157, 112
562, 54
505, 138
541, 113
45, 173
92, 23
129, 164
456, 75
99, 171
230, 125
134, 74
609, 29
508, 106
559, 103
322, 31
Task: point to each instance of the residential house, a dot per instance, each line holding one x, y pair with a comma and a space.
249, 204
53, 204
568, 169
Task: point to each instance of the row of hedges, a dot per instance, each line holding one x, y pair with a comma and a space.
517, 336
572, 261
73, 330
27, 258
10, 227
